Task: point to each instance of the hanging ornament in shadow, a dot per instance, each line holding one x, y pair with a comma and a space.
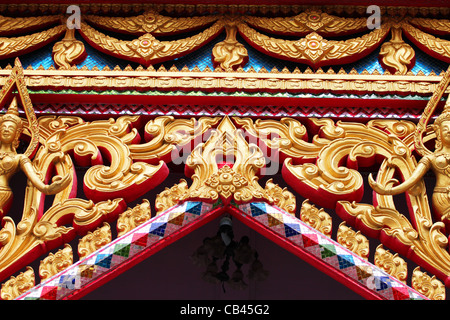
223, 250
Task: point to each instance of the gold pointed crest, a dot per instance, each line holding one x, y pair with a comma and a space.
16, 80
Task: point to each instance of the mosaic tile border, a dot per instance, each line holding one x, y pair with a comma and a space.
334, 256
155, 233
144, 239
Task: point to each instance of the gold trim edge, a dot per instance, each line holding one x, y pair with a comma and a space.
197, 80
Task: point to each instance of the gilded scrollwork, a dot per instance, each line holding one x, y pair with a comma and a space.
226, 166
312, 24
437, 47
229, 54
170, 196
64, 143
397, 55
13, 25
442, 26
14, 46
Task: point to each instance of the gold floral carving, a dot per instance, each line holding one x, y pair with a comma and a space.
41, 230
391, 263
94, 240
56, 262
309, 21
396, 54
147, 49
133, 217
428, 286
150, 22
324, 167
353, 240
314, 49
68, 51
15, 286
319, 219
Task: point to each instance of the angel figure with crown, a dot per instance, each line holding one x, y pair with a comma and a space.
11, 162
438, 161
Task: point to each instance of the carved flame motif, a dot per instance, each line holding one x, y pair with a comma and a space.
353, 240
68, 51
230, 54
428, 286
391, 263
15, 286
133, 217
94, 240
397, 55
55, 263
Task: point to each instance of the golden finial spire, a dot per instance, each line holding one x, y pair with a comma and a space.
13, 108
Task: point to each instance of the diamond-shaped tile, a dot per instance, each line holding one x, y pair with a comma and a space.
140, 239
194, 207
363, 272
49, 292
176, 218
274, 219
382, 283
258, 208
67, 281
345, 261
158, 229
327, 250
309, 239
104, 260
122, 249
86, 271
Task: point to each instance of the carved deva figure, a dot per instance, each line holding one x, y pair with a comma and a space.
10, 162
438, 161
